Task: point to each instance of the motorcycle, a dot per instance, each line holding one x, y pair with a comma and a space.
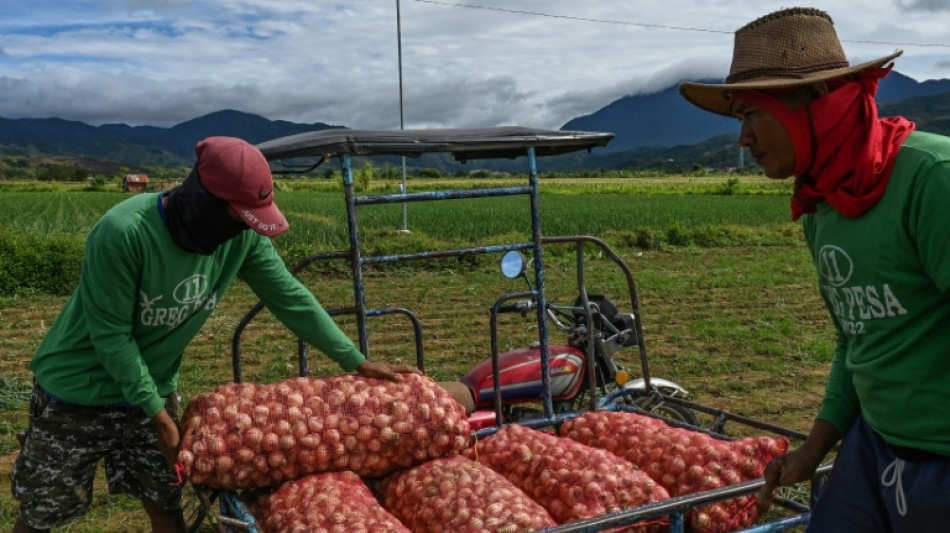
520, 370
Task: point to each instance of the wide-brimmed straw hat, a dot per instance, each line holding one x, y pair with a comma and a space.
784, 49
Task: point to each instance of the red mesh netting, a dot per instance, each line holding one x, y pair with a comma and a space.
683, 461
329, 502
572, 481
456, 495
242, 436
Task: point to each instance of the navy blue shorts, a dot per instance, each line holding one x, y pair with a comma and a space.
874, 487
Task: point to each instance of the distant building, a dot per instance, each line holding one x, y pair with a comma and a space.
135, 183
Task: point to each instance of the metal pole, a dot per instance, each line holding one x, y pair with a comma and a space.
402, 186
539, 284
356, 258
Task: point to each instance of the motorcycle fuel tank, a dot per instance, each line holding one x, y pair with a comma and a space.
520, 375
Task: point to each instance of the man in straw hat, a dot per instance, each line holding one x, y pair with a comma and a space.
156, 266
872, 195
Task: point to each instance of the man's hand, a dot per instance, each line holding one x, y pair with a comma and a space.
798, 465
168, 436
369, 369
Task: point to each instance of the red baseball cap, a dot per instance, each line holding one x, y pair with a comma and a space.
235, 171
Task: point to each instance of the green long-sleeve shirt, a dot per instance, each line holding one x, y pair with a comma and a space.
141, 300
885, 277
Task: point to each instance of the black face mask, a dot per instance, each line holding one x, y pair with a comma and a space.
197, 220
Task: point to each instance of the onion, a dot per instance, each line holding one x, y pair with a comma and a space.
297, 427
572, 481
244, 455
458, 495
709, 463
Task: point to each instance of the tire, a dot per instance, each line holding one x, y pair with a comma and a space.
580, 402
677, 413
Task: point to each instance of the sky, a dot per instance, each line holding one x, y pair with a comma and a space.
467, 63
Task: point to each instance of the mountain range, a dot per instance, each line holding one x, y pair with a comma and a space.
666, 119
138, 145
658, 130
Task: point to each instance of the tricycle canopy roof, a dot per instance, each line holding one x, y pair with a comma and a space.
464, 144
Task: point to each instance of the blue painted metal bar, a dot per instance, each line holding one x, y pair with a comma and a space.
359, 291
231, 506
677, 522
779, 525
455, 194
445, 253
534, 423
259, 306
539, 284
303, 369
416, 329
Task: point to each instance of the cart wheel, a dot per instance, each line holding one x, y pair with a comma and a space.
677, 413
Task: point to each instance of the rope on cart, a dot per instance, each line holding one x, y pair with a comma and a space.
475, 449
179, 469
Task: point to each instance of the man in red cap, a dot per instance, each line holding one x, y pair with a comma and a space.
871, 194
106, 374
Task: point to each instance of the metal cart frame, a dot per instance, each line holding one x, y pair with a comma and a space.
304, 152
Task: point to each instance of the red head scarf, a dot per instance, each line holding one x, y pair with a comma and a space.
844, 153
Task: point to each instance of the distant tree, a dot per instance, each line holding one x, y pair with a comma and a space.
364, 176
164, 174
120, 174
62, 173
390, 172
430, 173
698, 169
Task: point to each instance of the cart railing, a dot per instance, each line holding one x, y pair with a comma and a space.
675, 509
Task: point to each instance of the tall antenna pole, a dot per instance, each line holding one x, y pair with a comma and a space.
402, 185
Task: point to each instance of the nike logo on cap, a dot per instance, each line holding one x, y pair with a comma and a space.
262, 194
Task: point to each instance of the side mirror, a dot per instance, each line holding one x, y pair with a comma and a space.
512, 264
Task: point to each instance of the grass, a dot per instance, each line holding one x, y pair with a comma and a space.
738, 324
319, 218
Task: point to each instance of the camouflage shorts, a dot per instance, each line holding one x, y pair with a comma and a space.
53, 476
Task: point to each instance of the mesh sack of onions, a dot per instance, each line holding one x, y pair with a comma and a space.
457, 495
572, 481
243, 436
329, 502
683, 461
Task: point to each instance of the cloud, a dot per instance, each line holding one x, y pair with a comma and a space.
162, 62
924, 5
